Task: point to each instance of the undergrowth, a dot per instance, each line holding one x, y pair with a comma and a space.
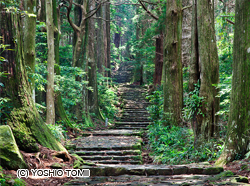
8, 179
175, 144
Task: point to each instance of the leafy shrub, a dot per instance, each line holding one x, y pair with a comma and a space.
6, 180
57, 131
107, 97
192, 103
174, 145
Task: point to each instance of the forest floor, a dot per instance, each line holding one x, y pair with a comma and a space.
237, 167
50, 159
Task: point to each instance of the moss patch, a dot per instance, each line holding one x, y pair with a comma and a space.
10, 156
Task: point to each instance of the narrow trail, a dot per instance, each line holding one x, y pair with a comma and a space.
117, 152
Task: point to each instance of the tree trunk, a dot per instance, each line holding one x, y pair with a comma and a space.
158, 60
108, 37
29, 40
59, 109
41, 13
100, 42
24, 119
172, 65
194, 70
208, 63
92, 76
237, 140
50, 115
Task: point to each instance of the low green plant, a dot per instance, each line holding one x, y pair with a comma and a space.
7, 179
155, 108
174, 145
108, 98
57, 131
192, 103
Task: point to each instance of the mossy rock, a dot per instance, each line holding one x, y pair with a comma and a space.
79, 162
213, 170
222, 175
25, 142
10, 155
241, 179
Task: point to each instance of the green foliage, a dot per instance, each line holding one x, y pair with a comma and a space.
174, 145
224, 31
57, 131
192, 103
7, 179
108, 98
156, 106
224, 94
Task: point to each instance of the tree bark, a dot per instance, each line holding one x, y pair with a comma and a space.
100, 42
172, 65
60, 113
29, 40
24, 119
237, 140
108, 37
194, 70
50, 115
208, 63
158, 60
41, 12
92, 76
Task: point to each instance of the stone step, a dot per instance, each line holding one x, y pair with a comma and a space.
135, 128
113, 132
92, 143
135, 111
120, 158
133, 120
116, 170
132, 123
132, 127
117, 162
117, 153
144, 180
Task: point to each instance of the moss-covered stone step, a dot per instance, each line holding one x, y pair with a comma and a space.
120, 158
116, 153
132, 123
131, 118
134, 180
117, 162
113, 132
92, 143
115, 170
131, 127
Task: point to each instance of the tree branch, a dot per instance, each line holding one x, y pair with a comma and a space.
186, 7
230, 21
145, 8
97, 8
148, 2
74, 26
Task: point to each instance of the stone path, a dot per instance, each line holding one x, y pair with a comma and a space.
117, 152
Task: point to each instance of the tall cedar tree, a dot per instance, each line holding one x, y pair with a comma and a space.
50, 104
172, 65
237, 140
23, 117
204, 66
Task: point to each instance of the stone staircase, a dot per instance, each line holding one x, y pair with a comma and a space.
123, 143
117, 152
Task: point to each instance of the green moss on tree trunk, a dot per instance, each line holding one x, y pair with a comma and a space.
172, 64
237, 140
24, 119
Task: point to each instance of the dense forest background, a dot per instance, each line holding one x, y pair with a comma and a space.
60, 70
